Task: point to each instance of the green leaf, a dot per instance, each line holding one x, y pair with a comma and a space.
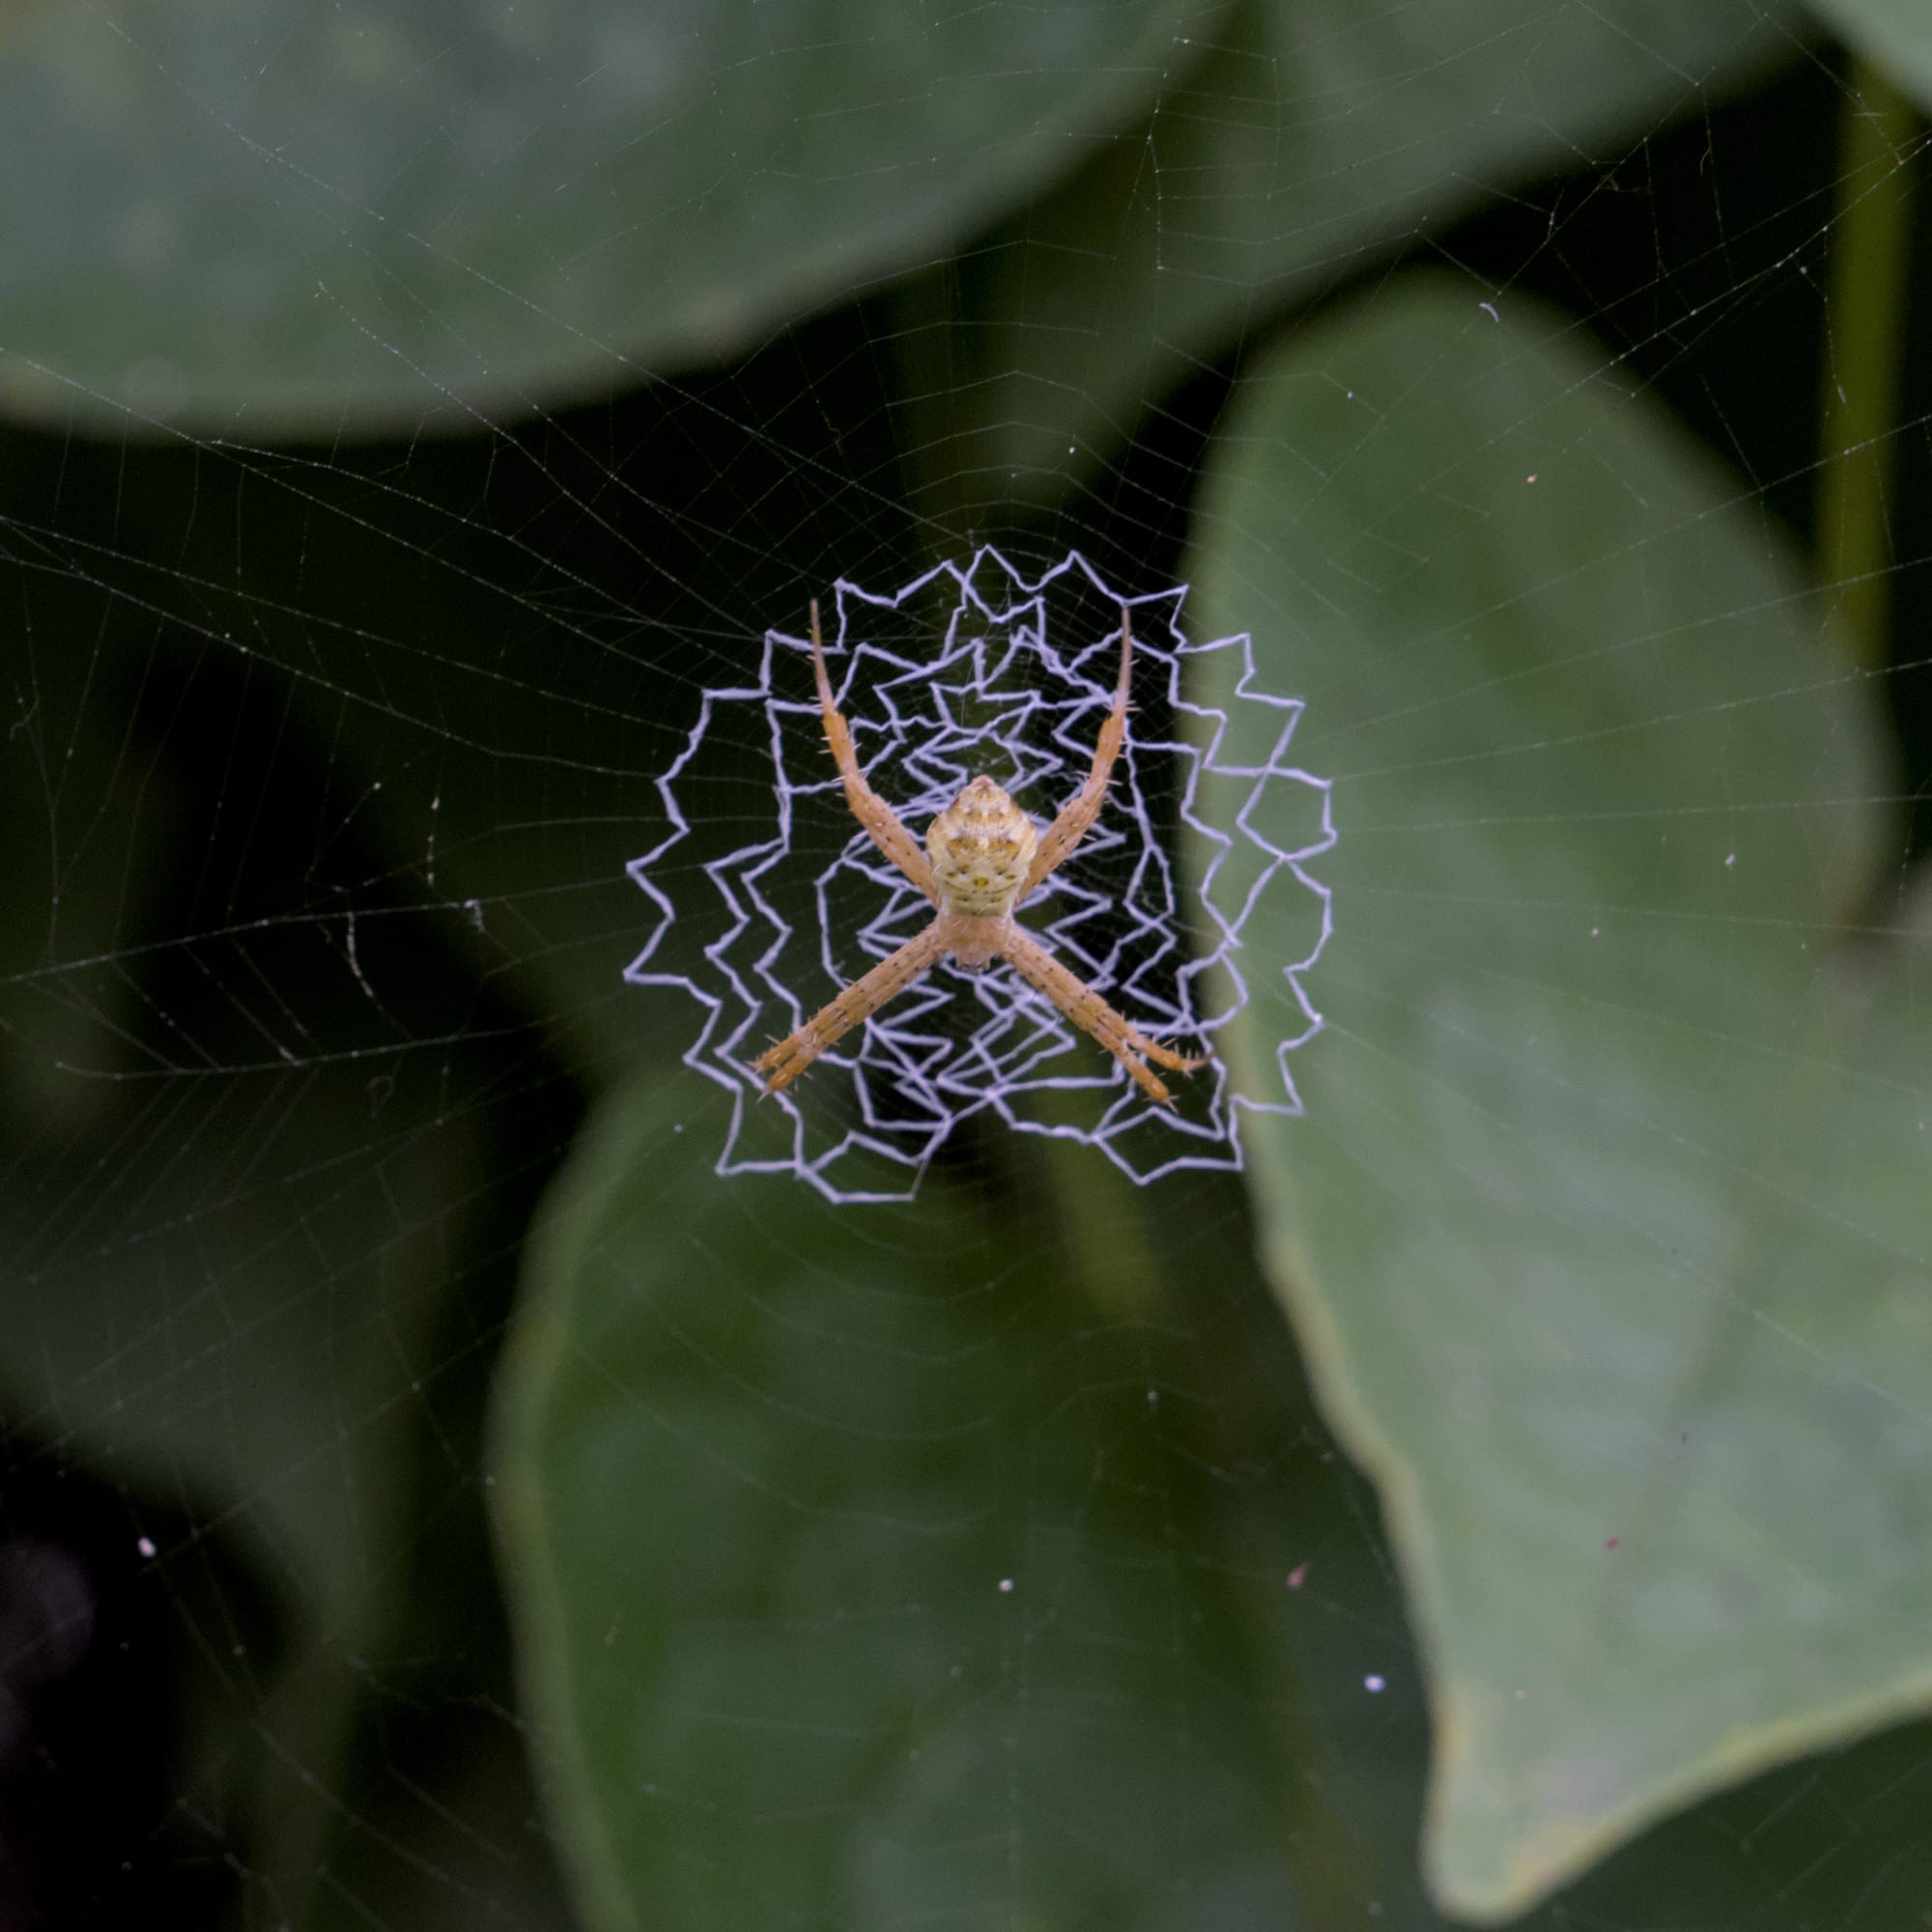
1893, 34
1604, 1227
1823, 1841
1312, 140
276, 220
869, 1565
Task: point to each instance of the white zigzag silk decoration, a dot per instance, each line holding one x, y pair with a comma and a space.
967, 669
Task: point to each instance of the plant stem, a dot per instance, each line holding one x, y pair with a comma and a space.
1872, 248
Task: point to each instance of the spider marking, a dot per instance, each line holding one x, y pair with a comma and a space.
982, 857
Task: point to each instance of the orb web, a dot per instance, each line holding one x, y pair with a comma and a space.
968, 668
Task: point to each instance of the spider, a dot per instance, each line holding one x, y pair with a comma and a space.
983, 856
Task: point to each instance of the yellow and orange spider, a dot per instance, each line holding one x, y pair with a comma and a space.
983, 856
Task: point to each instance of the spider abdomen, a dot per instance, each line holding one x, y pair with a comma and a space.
981, 847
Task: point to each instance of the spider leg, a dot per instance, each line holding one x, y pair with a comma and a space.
862, 998
1084, 807
871, 810
1092, 1014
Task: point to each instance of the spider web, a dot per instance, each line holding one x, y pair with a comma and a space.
382, 580
1016, 684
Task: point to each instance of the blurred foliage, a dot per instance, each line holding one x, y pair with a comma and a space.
1570, 1166
987, 1559
1891, 36
282, 219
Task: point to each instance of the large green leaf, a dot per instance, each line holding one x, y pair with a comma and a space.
285, 219
1895, 34
869, 1565
1606, 1228
1314, 139
741, 1622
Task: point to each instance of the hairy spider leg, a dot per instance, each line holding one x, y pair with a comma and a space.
871, 810
1080, 812
1093, 1015
857, 1003
963, 927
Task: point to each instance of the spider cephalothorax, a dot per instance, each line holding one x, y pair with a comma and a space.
983, 856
